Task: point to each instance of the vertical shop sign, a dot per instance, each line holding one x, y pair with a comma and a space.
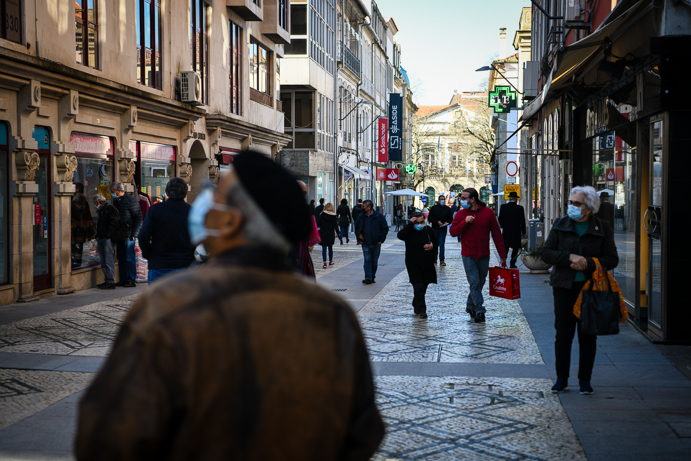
382, 144
37, 214
395, 131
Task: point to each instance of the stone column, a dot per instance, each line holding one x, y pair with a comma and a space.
22, 251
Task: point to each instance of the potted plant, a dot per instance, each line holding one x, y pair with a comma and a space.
533, 260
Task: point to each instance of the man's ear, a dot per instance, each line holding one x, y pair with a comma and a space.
231, 223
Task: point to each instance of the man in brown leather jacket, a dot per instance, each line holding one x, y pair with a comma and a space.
238, 358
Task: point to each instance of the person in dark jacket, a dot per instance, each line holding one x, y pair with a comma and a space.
420, 247
131, 220
107, 229
328, 229
357, 211
82, 224
344, 219
312, 207
571, 246
512, 222
164, 237
606, 211
371, 231
318, 210
440, 216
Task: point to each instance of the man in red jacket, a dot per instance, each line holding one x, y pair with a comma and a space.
474, 222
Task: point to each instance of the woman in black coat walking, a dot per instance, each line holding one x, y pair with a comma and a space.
328, 229
421, 246
344, 219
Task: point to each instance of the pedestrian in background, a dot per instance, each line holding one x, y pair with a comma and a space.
572, 244
108, 232
474, 223
240, 358
164, 238
357, 211
371, 230
312, 207
420, 247
606, 211
440, 216
131, 221
328, 229
299, 254
81, 225
512, 221
344, 220
318, 210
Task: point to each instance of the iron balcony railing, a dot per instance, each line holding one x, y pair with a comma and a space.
349, 60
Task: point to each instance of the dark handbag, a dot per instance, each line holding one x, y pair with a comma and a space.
600, 312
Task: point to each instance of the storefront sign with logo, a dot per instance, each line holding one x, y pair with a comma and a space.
37, 214
610, 174
410, 168
502, 99
396, 127
157, 152
383, 143
387, 174
84, 144
227, 155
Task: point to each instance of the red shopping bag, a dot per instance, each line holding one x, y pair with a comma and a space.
504, 283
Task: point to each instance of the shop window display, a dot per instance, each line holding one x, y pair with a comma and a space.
157, 167
93, 176
614, 177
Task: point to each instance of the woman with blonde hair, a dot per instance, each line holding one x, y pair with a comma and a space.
328, 229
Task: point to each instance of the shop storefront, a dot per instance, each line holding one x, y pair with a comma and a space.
156, 167
94, 175
4, 208
42, 260
225, 158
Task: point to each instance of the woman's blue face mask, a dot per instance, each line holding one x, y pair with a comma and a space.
197, 217
419, 227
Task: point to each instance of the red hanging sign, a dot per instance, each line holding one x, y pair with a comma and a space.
609, 174
387, 174
383, 143
37, 214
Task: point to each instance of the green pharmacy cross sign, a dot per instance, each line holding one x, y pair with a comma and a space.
410, 168
502, 99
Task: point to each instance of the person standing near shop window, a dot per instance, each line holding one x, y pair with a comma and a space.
164, 238
131, 222
108, 231
82, 224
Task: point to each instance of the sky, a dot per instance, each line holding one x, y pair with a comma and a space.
443, 42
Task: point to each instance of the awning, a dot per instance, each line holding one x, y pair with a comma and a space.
357, 172
579, 54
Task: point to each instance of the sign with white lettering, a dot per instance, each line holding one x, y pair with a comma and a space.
157, 152
383, 144
395, 127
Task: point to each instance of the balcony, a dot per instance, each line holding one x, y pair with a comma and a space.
249, 10
349, 60
275, 14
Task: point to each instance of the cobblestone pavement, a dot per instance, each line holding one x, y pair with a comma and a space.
448, 388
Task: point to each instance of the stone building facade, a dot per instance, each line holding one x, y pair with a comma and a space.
95, 91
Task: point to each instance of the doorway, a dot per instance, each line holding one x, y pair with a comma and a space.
654, 219
43, 276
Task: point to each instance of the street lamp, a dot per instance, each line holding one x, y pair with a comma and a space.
491, 67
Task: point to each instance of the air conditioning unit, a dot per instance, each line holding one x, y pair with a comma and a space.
575, 12
191, 87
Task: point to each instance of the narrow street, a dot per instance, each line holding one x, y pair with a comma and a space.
448, 388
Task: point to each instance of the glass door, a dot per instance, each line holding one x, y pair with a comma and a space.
653, 223
43, 277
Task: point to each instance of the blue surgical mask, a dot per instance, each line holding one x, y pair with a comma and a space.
465, 204
441, 202
419, 227
574, 212
197, 217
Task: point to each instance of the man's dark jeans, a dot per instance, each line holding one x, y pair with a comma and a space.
441, 236
476, 272
127, 261
371, 255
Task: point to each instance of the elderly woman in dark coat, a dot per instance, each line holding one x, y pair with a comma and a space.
421, 246
571, 246
328, 230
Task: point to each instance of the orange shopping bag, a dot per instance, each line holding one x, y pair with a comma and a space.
504, 283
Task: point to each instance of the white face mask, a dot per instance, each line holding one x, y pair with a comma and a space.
197, 216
